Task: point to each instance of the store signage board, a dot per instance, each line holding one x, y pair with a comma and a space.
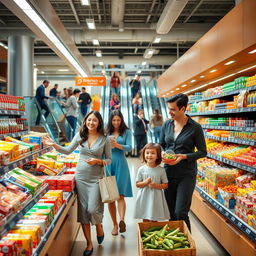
90, 81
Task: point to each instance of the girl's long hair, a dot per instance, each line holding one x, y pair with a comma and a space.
110, 128
84, 133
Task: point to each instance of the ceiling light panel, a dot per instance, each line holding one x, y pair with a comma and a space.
252, 52
157, 40
98, 53
229, 62
148, 53
143, 63
85, 2
95, 42
90, 23
214, 70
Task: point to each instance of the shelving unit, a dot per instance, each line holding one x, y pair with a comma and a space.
12, 112
14, 134
229, 128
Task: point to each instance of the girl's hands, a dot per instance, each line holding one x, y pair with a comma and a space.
148, 181
152, 185
92, 161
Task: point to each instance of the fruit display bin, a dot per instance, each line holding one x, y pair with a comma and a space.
172, 224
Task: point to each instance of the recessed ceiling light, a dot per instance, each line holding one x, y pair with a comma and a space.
148, 53
98, 53
90, 23
101, 63
139, 71
214, 70
164, 95
34, 64
157, 40
42, 72
177, 89
253, 51
143, 63
184, 85
95, 42
192, 81
85, 2
229, 62
202, 76
171, 91
63, 70
103, 71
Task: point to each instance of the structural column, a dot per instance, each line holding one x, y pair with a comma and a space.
20, 65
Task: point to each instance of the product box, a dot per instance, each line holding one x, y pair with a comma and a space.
35, 221
8, 248
46, 170
227, 199
65, 188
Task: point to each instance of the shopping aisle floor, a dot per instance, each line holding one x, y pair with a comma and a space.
126, 244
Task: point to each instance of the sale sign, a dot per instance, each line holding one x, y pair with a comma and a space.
91, 81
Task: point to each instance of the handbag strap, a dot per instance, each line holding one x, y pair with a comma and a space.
106, 169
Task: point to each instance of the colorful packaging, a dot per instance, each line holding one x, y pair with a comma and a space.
8, 248
46, 170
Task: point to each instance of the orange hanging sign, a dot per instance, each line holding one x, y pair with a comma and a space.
91, 81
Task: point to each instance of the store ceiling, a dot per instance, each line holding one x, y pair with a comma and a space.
139, 24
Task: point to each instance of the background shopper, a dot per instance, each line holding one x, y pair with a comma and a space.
114, 102
137, 103
40, 97
151, 180
156, 122
53, 91
120, 139
182, 135
84, 100
140, 130
95, 151
135, 85
72, 112
115, 83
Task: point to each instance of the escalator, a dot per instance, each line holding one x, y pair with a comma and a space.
50, 125
105, 99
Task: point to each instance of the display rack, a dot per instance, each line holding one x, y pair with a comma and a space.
23, 160
232, 140
232, 163
234, 219
229, 128
26, 205
14, 134
12, 112
217, 96
223, 111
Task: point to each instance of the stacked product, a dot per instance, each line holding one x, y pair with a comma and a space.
28, 232
11, 125
10, 102
64, 182
233, 134
251, 81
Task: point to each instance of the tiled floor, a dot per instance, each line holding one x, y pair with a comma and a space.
126, 245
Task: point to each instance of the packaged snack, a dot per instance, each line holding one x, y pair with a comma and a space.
46, 170
33, 220
8, 248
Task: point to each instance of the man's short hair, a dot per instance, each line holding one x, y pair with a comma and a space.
46, 81
83, 88
180, 99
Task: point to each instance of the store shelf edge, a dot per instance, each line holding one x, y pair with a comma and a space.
16, 217
13, 134
241, 225
229, 128
251, 88
232, 163
46, 236
231, 140
12, 112
21, 161
223, 111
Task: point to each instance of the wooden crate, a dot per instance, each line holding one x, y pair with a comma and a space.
173, 224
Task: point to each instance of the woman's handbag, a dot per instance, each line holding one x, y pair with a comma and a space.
108, 187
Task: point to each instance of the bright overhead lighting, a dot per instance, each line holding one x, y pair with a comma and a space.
3, 45
95, 42
157, 40
202, 76
42, 72
171, 91
143, 63
148, 53
103, 71
222, 78
192, 81
195, 89
214, 70
184, 85
85, 2
46, 30
63, 70
177, 89
139, 71
253, 51
164, 95
98, 53
246, 69
90, 23
34, 64
101, 63
229, 62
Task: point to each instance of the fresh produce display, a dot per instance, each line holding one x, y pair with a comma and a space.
164, 238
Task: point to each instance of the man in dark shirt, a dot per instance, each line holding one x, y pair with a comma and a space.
53, 91
181, 135
84, 100
135, 85
40, 97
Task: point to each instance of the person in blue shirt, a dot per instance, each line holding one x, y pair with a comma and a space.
53, 91
40, 97
120, 139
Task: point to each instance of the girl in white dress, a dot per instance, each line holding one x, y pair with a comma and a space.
151, 181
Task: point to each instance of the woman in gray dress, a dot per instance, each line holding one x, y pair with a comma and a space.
94, 146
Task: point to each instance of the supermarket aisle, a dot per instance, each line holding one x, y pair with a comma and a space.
126, 245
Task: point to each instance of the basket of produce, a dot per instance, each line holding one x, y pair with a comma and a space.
169, 156
165, 238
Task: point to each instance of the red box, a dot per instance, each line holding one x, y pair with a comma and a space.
54, 187
66, 180
52, 181
50, 201
8, 248
65, 188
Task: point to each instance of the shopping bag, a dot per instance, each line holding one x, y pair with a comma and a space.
108, 187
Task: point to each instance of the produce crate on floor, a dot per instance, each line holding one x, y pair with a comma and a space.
143, 226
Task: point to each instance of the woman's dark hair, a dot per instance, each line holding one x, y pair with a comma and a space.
76, 91
84, 130
155, 146
110, 128
180, 99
